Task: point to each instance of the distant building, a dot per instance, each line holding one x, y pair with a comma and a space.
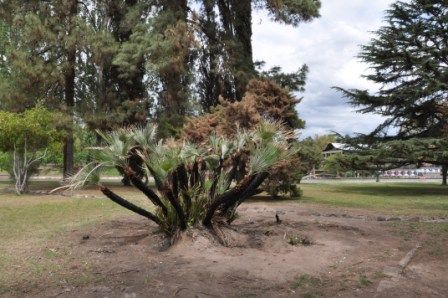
334, 148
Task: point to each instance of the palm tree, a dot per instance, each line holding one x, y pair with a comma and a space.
194, 183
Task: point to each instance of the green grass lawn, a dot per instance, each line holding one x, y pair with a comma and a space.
393, 198
30, 225
41, 215
22, 216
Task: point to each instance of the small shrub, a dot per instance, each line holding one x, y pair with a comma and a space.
26, 137
299, 240
263, 99
5, 161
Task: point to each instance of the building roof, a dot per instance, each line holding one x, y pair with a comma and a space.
336, 146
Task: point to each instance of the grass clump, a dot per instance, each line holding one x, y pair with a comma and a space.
364, 280
295, 240
306, 281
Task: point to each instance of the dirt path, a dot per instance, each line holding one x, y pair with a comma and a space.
336, 252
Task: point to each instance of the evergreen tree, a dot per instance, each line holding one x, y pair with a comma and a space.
408, 59
86, 60
226, 30
45, 39
114, 70
4, 42
171, 59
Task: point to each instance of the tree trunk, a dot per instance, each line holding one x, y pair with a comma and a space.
236, 17
128, 205
174, 76
243, 34
444, 174
70, 93
210, 69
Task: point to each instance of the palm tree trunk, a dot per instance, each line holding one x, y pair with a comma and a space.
180, 213
128, 205
151, 195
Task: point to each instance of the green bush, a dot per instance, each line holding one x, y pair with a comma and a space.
26, 138
4, 161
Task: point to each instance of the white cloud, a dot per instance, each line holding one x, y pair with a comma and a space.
329, 46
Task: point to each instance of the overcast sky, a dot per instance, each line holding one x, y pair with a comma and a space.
328, 45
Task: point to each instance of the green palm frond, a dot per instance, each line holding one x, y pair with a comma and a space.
221, 146
223, 183
163, 160
241, 139
264, 157
212, 161
189, 152
145, 137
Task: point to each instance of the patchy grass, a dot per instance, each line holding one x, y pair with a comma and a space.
31, 226
299, 240
410, 229
41, 215
306, 281
308, 286
364, 281
392, 198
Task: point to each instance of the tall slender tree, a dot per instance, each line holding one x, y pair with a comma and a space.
171, 51
71, 9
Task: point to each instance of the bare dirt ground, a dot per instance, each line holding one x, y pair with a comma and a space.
315, 251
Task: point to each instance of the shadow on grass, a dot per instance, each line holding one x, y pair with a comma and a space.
7, 187
269, 198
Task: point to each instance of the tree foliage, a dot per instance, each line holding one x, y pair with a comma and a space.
110, 64
408, 58
225, 35
37, 127
24, 136
263, 99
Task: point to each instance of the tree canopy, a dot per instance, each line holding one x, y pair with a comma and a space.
408, 59
35, 128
